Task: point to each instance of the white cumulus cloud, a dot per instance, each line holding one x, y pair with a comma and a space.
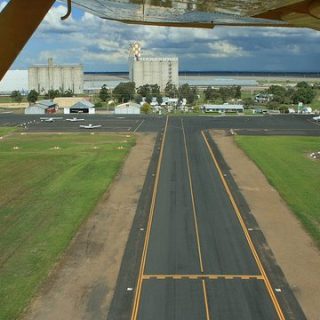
224, 49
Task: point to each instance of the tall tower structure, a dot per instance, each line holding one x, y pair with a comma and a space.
134, 55
152, 70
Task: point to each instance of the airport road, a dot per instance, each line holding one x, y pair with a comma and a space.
257, 125
198, 260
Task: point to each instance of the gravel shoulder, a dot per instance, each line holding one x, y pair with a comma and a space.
294, 250
82, 284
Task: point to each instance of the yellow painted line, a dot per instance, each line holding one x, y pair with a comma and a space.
201, 276
195, 223
137, 296
244, 228
205, 295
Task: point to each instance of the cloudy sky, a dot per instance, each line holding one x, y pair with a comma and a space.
102, 45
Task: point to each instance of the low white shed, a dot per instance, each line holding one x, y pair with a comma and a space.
127, 108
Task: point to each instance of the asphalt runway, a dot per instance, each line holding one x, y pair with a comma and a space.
193, 256
199, 261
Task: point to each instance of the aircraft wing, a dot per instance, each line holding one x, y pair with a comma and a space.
207, 13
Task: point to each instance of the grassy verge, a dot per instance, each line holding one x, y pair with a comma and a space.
6, 130
49, 186
316, 101
286, 164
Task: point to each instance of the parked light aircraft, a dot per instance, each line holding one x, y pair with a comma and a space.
74, 119
317, 118
90, 126
50, 119
20, 18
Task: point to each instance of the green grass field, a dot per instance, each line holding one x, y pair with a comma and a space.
285, 162
6, 130
49, 186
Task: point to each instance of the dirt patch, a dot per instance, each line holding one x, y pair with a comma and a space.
292, 247
82, 285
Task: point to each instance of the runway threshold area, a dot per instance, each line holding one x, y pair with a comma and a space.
198, 261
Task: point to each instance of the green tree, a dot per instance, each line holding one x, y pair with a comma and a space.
51, 94
303, 84
186, 92
159, 99
171, 90
305, 95
224, 93
67, 93
211, 94
146, 108
147, 89
32, 96
148, 98
138, 98
279, 93
248, 102
155, 90
144, 90
104, 94
98, 105
237, 92
16, 96
272, 105
124, 91
196, 109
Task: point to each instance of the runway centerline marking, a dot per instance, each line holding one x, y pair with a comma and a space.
148, 230
192, 200
245, 231
195, 223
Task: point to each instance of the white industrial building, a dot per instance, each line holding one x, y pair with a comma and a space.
127, 108
152, 70
43, 78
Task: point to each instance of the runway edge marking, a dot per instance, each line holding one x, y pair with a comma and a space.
246, 233
196, 224
148, 231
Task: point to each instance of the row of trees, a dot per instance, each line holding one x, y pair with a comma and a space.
302, 92
222, 94
126, 91
33, 95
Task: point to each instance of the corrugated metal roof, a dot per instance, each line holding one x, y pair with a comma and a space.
45, 103
83, 104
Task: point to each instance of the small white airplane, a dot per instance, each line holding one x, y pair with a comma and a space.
317, 118
90, 126
74, 119
50, 119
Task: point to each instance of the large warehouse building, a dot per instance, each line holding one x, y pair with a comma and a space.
149, 70
43, 78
